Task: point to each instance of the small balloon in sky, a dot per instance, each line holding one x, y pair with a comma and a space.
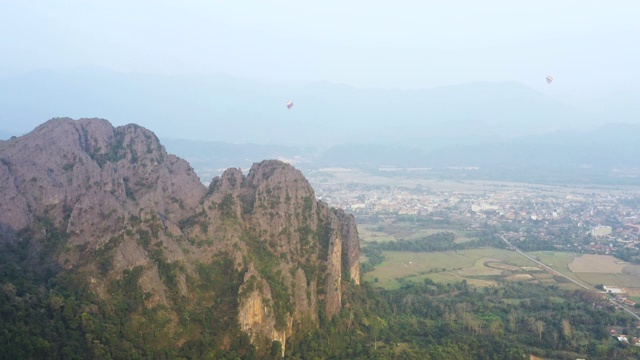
289, 104
549, 79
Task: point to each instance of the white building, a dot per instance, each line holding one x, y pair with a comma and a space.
612, 290
601, 231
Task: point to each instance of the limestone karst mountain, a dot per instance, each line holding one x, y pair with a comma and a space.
254, 254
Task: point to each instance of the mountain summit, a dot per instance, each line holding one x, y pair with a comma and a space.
166, 256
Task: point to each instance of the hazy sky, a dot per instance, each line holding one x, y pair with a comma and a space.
590, 47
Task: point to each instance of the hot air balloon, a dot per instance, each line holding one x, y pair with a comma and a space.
289, 104
549, 79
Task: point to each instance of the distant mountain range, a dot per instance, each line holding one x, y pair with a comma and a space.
608, 154
222, 108
235, 122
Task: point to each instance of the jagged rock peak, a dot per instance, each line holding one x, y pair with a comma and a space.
275, 171
75, 171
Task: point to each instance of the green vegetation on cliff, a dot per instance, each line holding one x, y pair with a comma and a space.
50, 313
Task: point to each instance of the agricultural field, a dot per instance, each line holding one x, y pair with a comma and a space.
588, 263
489, 266
406, 231
369, 233
593, 269
461, 236
557, 260
607, 270
481, 267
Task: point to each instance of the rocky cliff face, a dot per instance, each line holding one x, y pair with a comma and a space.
117, 201
90, 178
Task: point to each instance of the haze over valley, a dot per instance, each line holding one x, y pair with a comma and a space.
236, 110
507, 130
337, 180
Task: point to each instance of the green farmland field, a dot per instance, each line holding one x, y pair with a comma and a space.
477, 266
489, 266
406, 231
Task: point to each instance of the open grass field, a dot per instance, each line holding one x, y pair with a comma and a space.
557, 260
606, 270
592, 270
406, 231
414, 266
615, 280
461, 236
588, 263
519, 277
489, 266
481, 267
368, 234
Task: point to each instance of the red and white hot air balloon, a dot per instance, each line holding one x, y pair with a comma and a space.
289, 104
549, 79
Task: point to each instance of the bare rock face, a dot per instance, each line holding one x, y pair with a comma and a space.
256, 313
121, 202
89, 178
350, 246
299, 246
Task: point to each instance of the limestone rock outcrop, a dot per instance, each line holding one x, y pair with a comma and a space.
116, 200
